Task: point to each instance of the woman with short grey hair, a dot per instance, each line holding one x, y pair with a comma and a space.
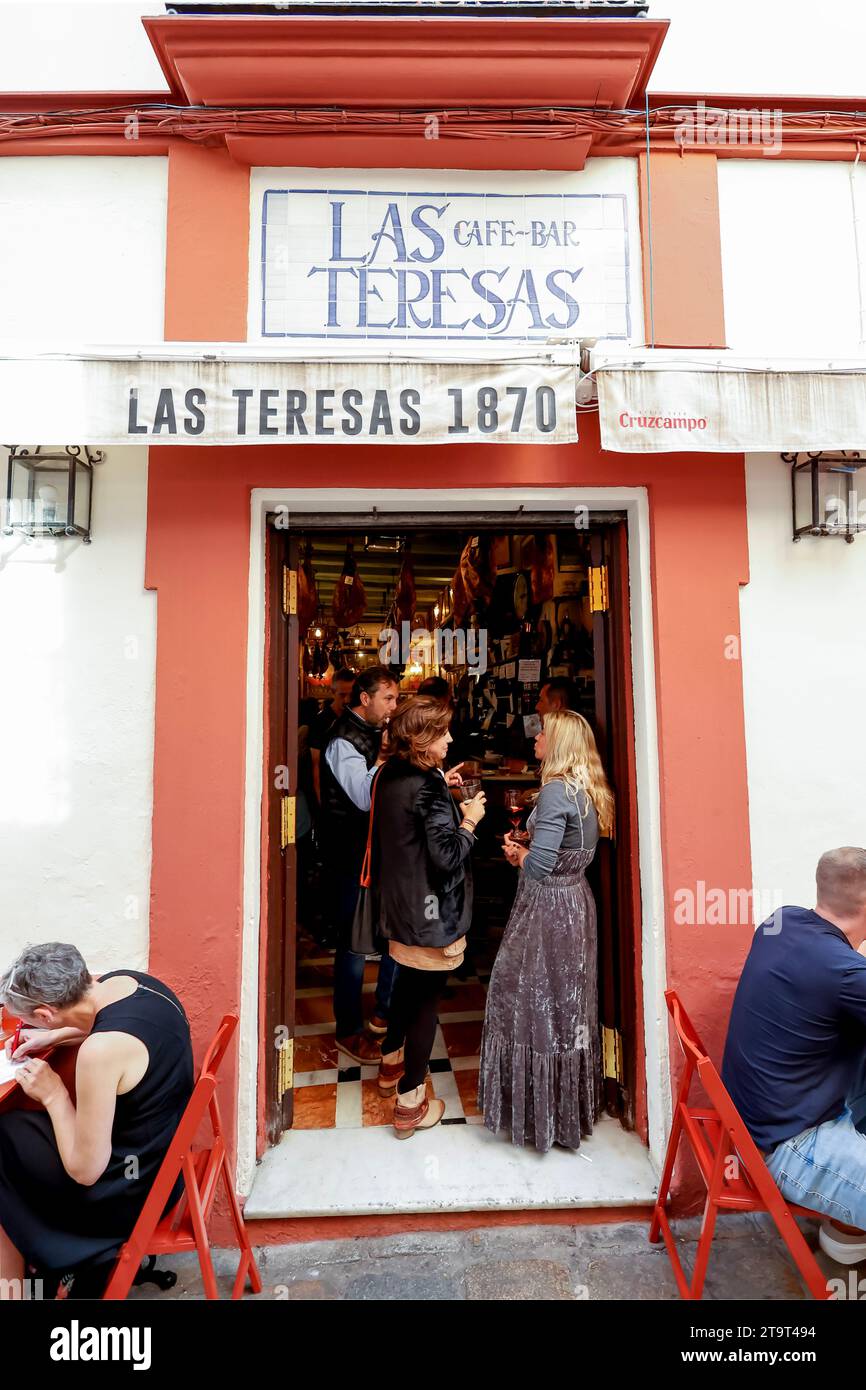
74, 1175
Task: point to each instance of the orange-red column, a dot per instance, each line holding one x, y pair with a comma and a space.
682, 250
197, 868
207, 242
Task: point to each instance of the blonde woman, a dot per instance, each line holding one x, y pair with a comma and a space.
540, 1072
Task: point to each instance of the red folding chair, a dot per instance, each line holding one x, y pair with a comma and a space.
734, 1173
185, 1226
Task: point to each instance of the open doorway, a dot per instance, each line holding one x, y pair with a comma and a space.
539, 602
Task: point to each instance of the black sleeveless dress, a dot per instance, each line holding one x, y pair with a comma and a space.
57, 1223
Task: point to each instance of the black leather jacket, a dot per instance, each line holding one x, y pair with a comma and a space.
342, 826
420, 858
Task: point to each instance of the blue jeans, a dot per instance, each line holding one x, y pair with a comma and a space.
349, 967
825, 1167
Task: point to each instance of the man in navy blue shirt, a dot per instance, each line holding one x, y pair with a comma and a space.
795, 1056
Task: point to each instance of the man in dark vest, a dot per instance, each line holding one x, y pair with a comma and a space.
352, 754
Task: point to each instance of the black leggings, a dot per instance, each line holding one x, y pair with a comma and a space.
412, 1020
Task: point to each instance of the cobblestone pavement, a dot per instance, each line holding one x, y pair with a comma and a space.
609, 1262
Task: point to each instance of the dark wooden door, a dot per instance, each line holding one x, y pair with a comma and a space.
614, 875
280, 790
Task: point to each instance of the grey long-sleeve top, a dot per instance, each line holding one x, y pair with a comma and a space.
558, 822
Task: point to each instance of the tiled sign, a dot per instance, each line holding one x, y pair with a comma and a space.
350, 263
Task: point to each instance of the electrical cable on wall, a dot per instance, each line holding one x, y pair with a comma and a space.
627, 130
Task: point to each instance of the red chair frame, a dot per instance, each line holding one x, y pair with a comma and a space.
730, 1163
184, 1228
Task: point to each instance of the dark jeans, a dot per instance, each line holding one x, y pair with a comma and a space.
349, 967
413, 1019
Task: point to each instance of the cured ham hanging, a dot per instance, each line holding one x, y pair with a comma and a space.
474, 576
542, 567
405, 597
308, 597
350, 599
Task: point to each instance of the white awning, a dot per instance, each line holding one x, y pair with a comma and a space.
246, 393
663, 401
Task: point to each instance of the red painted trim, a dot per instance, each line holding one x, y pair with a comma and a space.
45, 101
766, 100
829, 149
91, 145
409, 152
207, 246
268, 761
290, 1232
682, 251
20, 102
342, 151
195, 926
405, 60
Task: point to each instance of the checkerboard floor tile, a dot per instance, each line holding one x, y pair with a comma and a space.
333, 1092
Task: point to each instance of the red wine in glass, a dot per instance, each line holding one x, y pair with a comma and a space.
515, 814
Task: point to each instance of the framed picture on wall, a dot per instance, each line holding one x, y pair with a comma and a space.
501, 553
572, 558
571, 552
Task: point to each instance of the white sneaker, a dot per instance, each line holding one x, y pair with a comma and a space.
842, 1246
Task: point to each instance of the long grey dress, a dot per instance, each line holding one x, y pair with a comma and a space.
540, 1069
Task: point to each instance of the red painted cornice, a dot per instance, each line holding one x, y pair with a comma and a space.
356, 91
761, 100
23, 102
397, 61
43, 102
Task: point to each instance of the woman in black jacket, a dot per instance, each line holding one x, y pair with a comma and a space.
421, 846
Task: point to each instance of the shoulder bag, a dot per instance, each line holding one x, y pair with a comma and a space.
363, 938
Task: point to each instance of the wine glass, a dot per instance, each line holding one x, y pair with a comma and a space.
514, 810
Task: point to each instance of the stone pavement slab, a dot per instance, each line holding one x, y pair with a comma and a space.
609, 1262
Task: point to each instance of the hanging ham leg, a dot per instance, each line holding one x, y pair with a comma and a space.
308, 597
475, 575
406, 596
350, 599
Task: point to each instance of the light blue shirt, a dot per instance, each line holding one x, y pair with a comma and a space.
351, 771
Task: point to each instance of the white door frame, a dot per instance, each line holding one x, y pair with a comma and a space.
343, 502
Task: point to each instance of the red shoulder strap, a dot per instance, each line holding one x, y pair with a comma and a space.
365, 867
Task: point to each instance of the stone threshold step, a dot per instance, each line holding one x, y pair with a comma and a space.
365, 1172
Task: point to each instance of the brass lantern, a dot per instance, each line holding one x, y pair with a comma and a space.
50, 494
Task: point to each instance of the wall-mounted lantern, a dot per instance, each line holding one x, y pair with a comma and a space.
50, 494
824, 498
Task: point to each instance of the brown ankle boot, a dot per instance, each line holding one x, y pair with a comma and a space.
415, 1111
361, 1048
390, 1072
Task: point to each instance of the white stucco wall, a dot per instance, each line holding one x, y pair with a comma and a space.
82, 249
741, 46
77, 711
82, 260
804, 678
793, 256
